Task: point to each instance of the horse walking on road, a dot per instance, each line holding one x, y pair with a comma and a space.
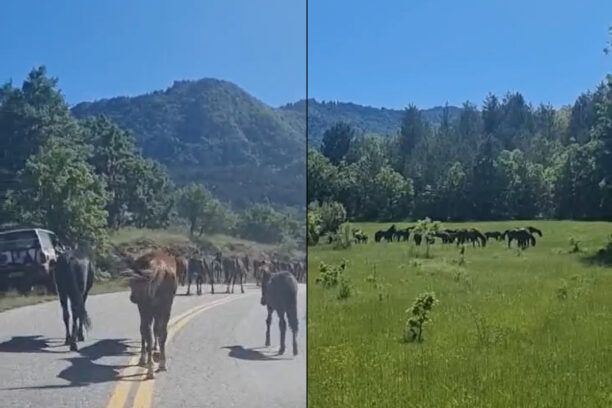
74, 274
279, 293
153, 283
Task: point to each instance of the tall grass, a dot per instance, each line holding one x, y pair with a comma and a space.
512, 329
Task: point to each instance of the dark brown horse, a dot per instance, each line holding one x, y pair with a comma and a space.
279, 293
153, 284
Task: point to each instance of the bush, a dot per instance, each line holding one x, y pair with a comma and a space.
343, 239
332, 215
330, 275
264, 224
418, 316
313, 227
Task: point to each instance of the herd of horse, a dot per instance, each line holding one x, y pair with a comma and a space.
230, 270
524, 236
153, 281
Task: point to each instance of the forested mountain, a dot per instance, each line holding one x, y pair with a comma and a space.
82, 172
213, 132
364, 119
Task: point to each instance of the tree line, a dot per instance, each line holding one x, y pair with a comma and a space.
507, 160
84, 178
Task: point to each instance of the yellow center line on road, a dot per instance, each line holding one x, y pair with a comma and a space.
130, 374
144, 394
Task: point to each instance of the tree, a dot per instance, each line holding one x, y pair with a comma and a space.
602, 134
413, 129
453, 193
322, 177
61, 191
491, 114
192, 202
264, 224
29, 116
151, 193
331, 216
392, 195
113, 158
485, 183
337, 142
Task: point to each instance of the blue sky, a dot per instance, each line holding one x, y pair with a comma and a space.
394, 52
108, 48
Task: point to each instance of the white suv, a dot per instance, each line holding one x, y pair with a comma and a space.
26, 258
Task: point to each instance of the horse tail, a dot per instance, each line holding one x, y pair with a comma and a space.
292, 313
533, 240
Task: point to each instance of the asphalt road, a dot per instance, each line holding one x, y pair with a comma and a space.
216, 356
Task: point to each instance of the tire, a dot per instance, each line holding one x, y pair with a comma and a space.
25, 286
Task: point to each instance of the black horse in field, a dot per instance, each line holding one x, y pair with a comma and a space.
388, 235
534, 230
523, 237
470, 235
496, 235
74, 274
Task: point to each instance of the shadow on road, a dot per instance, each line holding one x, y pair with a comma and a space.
84, 371
252, 354
28, 344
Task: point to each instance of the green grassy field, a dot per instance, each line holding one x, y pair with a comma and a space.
511, 329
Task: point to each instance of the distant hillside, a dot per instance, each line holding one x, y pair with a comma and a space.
212, 131
322, 115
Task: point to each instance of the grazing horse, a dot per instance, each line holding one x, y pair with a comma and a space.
444, 236
472, 235
153, 284
360, 236
182, 265
402, 235
496, 235
279, 293
378, 236
74, 274
534, 230
523, 237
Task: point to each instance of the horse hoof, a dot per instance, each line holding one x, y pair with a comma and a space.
161, 368
295, 352
81, 338
142, 363
281, 351
150, 376
73, 347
